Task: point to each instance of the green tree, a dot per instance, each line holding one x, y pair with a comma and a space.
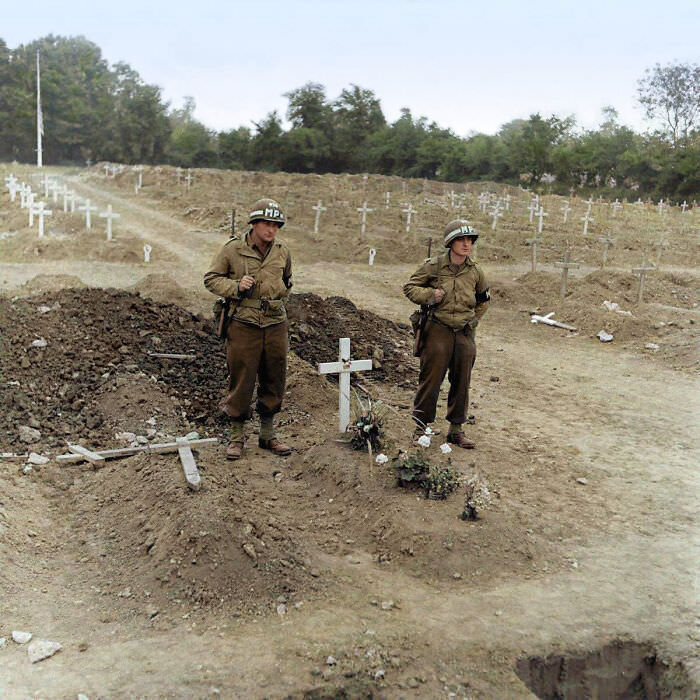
191, 144
671, 94
266, 151
235, 148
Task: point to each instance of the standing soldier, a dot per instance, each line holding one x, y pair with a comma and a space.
453, 288
255, 273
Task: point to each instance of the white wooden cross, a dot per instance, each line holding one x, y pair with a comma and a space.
566, 209
72, 197
409, 211
507, 201
147, 252
318, 209
641, 271
483, 201
589, 202
54, 187
87, 208
684, 206
661, 206
178, 174
106, 168
343, 367
138, 169
23, 191
616, 206
188, 179
534, 242
30, 206
607, 242
363, 210
387, 198
565, 271
41, 212
532, 209
10, 183
67, 194
586, 219
47, 182
372, 253
109, 215
540, 214
451, 195
497, 214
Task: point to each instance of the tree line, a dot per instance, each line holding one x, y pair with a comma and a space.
94, 111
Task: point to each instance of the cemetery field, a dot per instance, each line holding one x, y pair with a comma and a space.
316, 575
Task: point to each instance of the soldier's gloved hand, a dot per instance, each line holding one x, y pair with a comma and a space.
246, 284
439, 295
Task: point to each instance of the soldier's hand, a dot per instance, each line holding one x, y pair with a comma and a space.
247, 282
439, 295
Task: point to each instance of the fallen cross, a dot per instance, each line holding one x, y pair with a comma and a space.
182, 446
548, 320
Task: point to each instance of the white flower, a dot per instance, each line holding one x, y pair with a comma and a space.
381, 458
445, 448
424, 441
428, 430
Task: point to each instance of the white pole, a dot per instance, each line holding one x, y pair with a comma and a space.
39, 119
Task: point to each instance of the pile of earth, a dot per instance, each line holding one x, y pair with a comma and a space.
317, 324
77, 363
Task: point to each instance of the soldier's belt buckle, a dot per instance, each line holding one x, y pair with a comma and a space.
264, 305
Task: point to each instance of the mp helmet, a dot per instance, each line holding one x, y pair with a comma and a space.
459, 228
266, 209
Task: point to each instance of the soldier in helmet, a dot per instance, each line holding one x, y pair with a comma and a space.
255, 272
453, 287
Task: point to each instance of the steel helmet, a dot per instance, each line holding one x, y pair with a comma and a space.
266, 209
459, 228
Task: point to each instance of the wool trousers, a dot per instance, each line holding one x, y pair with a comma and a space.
254, 353
444, 352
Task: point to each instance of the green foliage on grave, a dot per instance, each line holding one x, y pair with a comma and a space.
437, 480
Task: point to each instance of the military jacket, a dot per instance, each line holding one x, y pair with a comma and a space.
466, 290
273, 280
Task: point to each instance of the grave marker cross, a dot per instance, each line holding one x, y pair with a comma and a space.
318, 209
586, 220
363, 210
566, 209
607, 242
540, 214
409, 211
41, 212
534, 242
109, 215
565, 271
343, 367
87, 208
642, 271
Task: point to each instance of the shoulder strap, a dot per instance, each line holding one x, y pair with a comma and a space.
438, 267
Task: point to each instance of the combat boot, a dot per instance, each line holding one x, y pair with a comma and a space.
460, 439
235, 450
275, 446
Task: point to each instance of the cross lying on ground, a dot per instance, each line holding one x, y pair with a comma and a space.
343, 367
182, 446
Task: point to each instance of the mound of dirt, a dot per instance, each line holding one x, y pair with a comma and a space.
47, 283
317, 324
78, 362
161, 288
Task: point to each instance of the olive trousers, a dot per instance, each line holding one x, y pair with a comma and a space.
255, 353
444, 351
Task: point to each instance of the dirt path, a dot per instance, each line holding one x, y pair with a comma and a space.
562, 404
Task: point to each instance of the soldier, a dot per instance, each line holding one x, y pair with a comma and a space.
453, 288
255, 273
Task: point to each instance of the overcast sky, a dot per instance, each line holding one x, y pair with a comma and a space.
467, 66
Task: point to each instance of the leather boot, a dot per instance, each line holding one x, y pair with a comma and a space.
234, 450
275, 446
460, 439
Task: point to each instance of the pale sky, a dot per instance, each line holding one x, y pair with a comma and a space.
467, 66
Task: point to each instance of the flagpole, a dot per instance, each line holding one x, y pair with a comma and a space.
39, 119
